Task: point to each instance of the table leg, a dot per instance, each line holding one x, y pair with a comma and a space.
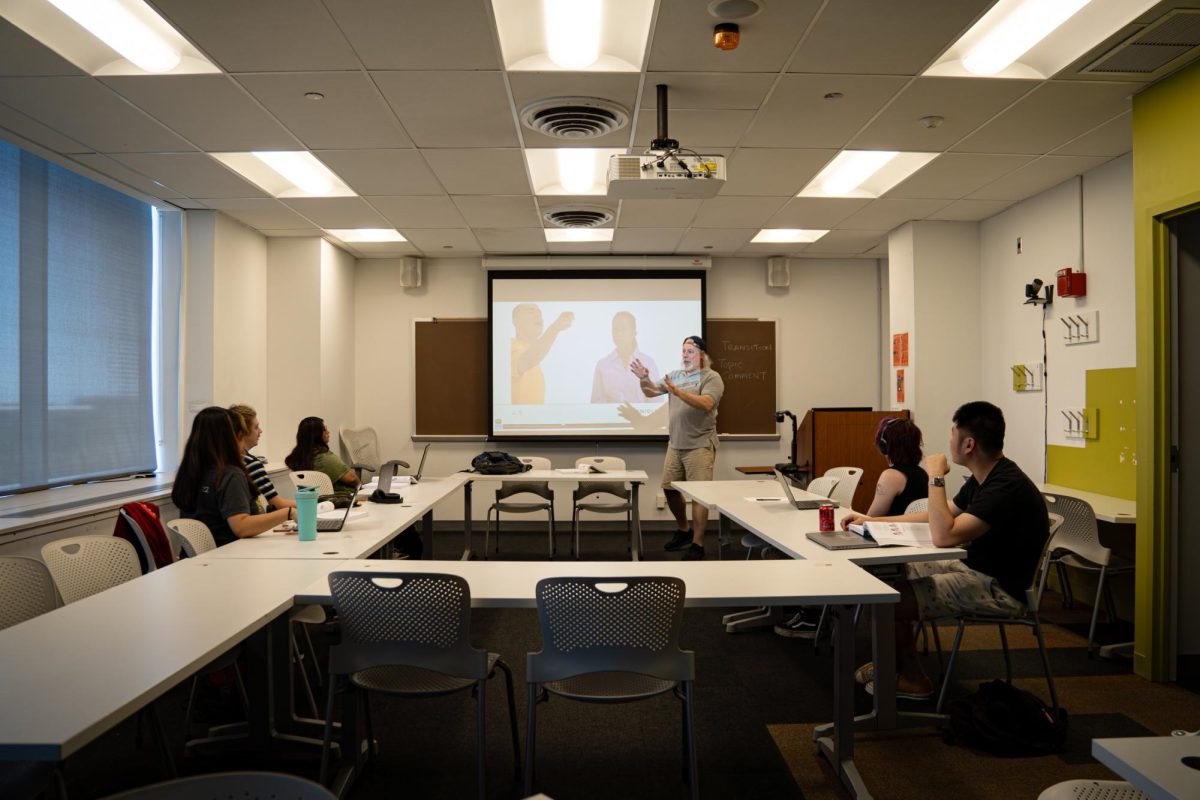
466, 555
839, 747
427, 535
635, 545
1113, 650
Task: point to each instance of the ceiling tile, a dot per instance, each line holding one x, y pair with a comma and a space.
443, 241
816, 213
954, 175
708, 90
778, 172
338, 212
86, 110
883, 37
382, 172
123, 174
262, 36
26, 127
736, 212
888, 213
451, 109
384, 249
798, 115
963, 103
1037, 176
971, 210
714, 241
511, 240
1113, 138
646, 240
847, 242
192, 174
267, 214
1049, 116
513, 211
698, 130
480, 171
211, 111
21, 54
353, 114
448, 34
657, 213
419, 212
683, 38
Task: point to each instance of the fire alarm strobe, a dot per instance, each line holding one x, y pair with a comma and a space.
1072, 283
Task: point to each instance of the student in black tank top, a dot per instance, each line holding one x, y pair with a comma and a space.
904, 480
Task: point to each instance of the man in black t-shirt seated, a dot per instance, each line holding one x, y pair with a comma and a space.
1001, 517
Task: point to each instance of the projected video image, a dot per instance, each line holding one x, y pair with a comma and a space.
561, 350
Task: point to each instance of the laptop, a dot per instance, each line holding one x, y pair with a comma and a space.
841, 540
333, 525
801, 505
387, 471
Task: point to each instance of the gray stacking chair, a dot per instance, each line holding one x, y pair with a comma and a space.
847, 483
408, 634
1093, 790
585, 496
26, 590
223, 785
84, 565
611, 640
504, 503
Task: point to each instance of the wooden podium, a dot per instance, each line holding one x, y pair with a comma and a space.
844, 437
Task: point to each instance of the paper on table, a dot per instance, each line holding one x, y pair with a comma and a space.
575, 470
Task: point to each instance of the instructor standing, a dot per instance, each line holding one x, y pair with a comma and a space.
695, 391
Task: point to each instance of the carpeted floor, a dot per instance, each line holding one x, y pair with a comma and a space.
757, 698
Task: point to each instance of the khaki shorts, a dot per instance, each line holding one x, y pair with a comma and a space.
688, 465
949, 588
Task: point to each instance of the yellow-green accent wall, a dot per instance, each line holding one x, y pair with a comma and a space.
1108, 463
1166, 181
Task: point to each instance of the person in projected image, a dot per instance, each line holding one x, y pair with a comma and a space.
695, 392
612, 382
530, 345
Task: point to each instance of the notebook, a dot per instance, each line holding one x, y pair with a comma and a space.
802, 505
841, 540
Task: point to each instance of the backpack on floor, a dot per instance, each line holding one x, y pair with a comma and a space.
1006, 721
495, 462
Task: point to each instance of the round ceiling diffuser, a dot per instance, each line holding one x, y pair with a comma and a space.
578, 216
574, 117
735, 10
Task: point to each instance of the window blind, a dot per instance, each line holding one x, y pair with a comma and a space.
76, 275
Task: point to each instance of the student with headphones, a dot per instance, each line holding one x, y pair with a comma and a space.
904, 480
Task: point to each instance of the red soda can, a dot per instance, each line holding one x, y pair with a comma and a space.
826, 513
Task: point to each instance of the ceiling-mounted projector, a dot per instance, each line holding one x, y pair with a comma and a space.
665, 171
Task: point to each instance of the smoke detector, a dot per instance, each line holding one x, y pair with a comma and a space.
574, 117
735, 9
578, 216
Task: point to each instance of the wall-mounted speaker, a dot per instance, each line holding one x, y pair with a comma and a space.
410, 272
779, 273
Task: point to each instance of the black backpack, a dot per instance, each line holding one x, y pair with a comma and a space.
1006, 721
495, 462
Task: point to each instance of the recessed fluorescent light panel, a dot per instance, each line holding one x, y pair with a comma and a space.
286, 173
573, 35
108, 37
787, 235
579, 234
352, 235
570, 170
864, 173
1035, 39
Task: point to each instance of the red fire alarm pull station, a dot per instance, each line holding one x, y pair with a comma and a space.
1072, 283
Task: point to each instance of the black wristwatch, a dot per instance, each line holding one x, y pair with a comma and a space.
938, 480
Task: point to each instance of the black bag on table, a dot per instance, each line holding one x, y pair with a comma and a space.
496, 462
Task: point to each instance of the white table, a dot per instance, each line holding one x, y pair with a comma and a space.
635, 478
1155, 764
68, 676
836, 582
1106, 508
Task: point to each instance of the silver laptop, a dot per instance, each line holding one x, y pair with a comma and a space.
802, 505
841, 540
332, 525
389, 469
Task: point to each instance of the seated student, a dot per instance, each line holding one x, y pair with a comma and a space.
312, 452
248, 432
211, 485
901, 483
998, 510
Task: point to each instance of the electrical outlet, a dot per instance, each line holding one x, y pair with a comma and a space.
660, 500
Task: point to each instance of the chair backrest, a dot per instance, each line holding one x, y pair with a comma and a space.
242, 785
139, 524
610, 625
606, 463
917, 506
847, 484
1033, 595
312, 477
823, 486
1078, 532
362, 446
535, 462
192, 536
541, 488
84, 565
419, 619
26, 590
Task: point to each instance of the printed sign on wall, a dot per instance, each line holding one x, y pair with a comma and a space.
900, 349
899, 386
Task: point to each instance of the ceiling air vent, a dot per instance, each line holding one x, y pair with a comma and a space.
574, 117
1154, 50
578, 216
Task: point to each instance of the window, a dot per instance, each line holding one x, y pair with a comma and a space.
76, 300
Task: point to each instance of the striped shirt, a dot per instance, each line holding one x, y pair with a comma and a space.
257, 471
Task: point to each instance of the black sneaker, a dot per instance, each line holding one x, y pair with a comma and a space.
800, 626
679, 541
694, 553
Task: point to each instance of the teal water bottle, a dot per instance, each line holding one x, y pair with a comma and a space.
306, 512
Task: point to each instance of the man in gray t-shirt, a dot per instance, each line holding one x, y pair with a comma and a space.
695, 391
